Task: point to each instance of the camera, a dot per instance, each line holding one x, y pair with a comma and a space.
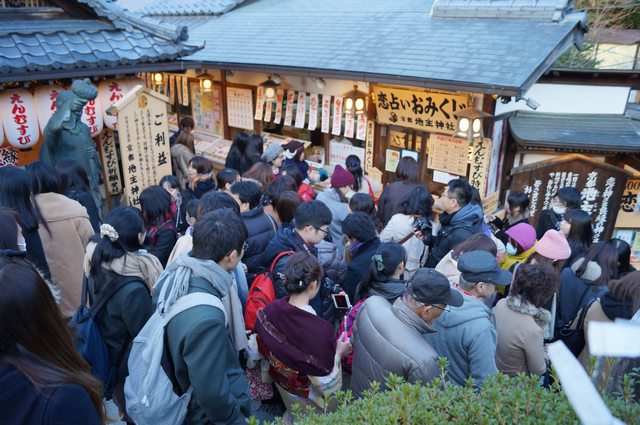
423, 225
330, 287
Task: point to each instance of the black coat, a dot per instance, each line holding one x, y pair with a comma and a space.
21, 403
203, 187
570, 297
391, 198
455, 228
238, 161
261, 229
86, 200
358, 267
548, 221
165, 240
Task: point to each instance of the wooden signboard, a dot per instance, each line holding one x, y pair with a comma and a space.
628, 216
601, 186
144, 140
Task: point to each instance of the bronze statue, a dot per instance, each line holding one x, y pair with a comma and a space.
66, 137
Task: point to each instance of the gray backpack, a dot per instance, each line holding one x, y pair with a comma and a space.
148, 391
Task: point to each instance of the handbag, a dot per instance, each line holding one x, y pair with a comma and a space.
572, 334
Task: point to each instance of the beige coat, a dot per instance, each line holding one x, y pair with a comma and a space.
594, 314
64, 247
397, 229
520, 342
448, 267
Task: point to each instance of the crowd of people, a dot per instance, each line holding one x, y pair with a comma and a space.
352, 281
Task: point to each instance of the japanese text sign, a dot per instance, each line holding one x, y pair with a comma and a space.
432, 112
480, 156
19, 118
448, 154
628, 212
109, 155
240, 108
338, 152
144, 140
600, 185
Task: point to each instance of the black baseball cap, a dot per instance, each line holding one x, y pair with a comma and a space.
482, 266
432, 287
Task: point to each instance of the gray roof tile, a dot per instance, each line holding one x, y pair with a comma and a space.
49, 39
179, 7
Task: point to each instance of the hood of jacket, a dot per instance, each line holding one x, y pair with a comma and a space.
591, 273
472, 309
56, 207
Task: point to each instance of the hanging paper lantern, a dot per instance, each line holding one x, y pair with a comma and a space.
1, 131
46, 103
20, 118
92, 116
109, 92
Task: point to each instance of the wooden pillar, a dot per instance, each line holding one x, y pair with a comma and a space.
104, 172
223, 100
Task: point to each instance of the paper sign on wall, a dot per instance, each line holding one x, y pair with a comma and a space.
337, 116
348, 125
288, 114
279, 98
301, 109
361, 132
267, 111
392, 160
448, 154
259, 103
326, 106
185, 91
240, 107
313, 111
368, 145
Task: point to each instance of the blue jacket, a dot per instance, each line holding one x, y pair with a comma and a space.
454, 229
467, 337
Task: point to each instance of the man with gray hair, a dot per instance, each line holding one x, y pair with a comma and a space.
467, 335
390, 338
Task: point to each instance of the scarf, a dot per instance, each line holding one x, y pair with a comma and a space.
615, 308
410, 318
139, 263
166, 224
541, 316
201, 178
390, 289
301, 340
178, 274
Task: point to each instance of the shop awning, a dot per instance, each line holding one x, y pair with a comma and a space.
593, 133
85, 37
468, 45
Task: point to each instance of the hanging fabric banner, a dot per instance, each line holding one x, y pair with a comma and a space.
301, 110
361, 133
172, 88
337, 116
326, 108
259, 103
179, 90
279, 98
348, 125
267, 111
313, 111
288, 115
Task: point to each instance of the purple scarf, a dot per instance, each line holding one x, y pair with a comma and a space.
300, 340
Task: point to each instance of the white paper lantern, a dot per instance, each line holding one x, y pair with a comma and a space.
1, 131
109, 92
46, 102
20, 119
92, 116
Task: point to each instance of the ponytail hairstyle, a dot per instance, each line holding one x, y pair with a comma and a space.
118, 235
383, 265
354, 166
301, 270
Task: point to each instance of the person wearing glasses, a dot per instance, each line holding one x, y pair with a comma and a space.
467, 335
390, 338
311, 225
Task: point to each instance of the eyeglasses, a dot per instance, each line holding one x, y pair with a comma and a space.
421, 304
440, 308
326, 232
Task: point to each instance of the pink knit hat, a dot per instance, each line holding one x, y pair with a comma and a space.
524, 234
553, 245
341, 177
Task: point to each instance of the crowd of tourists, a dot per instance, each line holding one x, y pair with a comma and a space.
265, 289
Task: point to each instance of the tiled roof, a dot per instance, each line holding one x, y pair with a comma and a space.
500, 9
179, 7
585, 132
388, 41
94, 34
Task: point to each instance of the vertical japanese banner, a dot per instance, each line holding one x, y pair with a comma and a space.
279, 99
301, 110
348, 125
361, 132
110, 161
368, 145
479, 170
313, 111
185, 91
165, 84
259, 103
20, 118
172, 88
268, 109
326, 117
288, 114
337, 115
179, 89
144, 140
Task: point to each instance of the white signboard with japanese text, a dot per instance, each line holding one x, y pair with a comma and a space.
338, 152
240, 108
448, 154
480, 158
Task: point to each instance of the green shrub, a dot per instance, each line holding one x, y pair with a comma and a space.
501, 400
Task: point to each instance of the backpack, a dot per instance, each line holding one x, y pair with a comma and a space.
149, 391
89, 341
261, 294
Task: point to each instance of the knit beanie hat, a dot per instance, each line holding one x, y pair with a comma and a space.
524, 234
554, 245
271, 152
341, 177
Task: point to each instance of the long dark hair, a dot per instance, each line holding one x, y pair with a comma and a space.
605, 254
382, 269
155, 203
9, 226
15, 193
355, 168
34, 337
580, 235
261, 172
128, 223
418, 201
408, 170
44, 178
72, 176
627, 289
624, 255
